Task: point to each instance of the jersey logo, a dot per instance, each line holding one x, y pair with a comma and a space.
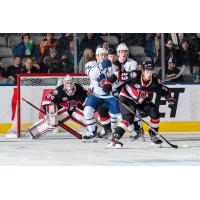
124, 76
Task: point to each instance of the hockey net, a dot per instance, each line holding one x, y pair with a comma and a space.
33, 88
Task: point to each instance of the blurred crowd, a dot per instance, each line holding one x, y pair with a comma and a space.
56, 55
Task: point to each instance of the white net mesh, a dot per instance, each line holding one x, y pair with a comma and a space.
34, 89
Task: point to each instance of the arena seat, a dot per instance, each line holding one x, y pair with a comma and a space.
5, 52
137, 51
3, 42
7, 61
113, 40
14, 40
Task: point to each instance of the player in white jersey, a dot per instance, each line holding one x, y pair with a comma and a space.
128, 65
99, 71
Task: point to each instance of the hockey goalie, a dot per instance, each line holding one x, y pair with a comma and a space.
62, 104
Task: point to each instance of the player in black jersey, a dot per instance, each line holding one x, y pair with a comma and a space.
63, 103
137, 94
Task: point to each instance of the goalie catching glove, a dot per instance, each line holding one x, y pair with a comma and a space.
107, 86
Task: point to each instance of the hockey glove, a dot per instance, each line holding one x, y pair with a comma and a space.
171, 101
107, 86
106, 64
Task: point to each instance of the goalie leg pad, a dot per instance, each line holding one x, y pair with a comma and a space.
63, 115
40, 128
52, 115
78, 117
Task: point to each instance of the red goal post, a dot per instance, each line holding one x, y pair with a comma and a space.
34, 87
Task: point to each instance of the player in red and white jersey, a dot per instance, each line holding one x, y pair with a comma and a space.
137, 95
126, 64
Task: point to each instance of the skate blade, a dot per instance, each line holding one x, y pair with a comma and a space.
116, 146
90, 140
156, 145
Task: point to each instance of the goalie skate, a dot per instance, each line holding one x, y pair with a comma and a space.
11, 134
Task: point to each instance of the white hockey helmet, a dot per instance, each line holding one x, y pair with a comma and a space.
122, 47
68, 82
101, 51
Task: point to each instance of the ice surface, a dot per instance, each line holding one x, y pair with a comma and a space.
69, 151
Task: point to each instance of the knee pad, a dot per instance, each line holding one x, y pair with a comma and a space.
63, 115
88, 112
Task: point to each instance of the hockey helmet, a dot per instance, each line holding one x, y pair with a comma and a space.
147, 65
68, 82
111, 51
101, 51
122, 47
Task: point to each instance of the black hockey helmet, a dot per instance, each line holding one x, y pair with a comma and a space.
111, 51
147, 65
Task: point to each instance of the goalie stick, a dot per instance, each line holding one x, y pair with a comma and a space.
168, 142
60, 123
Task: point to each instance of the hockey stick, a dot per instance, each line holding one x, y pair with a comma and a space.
125, 106
60, 123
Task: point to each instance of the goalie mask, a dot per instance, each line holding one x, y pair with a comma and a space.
69, 85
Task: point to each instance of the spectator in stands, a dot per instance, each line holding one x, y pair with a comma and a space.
105, 45
47, 43
70, 53
194, 41
186, 55
90, 41
134, 39
13, 70
26, 48
171, 72
88, 56
63, 42
66, 67
170, 52
3, 79
53, 62
152, 46
29, 68
176, 38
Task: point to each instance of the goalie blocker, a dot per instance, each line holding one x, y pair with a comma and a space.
68, 98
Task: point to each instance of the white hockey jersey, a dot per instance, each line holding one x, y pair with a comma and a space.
129, 65
96, 73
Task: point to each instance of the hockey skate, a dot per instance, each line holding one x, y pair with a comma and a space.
114, 143
138, 134
104, 134
156, 142
90, 137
